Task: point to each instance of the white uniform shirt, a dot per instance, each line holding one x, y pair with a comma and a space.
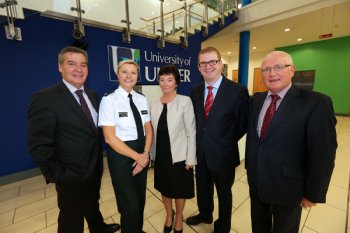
115, 111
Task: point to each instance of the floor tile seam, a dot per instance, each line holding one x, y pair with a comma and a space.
337, 186
13, 219
347, 207
15, 223
241, 203
151, 225
17, 207
41, 212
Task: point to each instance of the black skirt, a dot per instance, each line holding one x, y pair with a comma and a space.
171, 180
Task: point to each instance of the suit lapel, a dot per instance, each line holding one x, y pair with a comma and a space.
256, 109
68, 97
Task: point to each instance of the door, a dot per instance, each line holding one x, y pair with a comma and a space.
258, 85
235, 75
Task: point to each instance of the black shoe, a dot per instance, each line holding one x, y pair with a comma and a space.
170, 228
177, 231
111, 228
197, 219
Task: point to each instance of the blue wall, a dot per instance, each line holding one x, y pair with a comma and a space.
30, 65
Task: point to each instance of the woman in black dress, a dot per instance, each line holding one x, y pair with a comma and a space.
175, 148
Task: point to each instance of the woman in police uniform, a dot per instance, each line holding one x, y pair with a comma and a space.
129, 140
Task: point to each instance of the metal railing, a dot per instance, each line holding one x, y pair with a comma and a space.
180, 19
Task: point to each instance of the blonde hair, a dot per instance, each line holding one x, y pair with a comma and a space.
128, 61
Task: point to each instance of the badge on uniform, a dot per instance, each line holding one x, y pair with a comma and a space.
144, 112
123, 114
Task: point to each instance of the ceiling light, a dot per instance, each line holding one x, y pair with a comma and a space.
254, 47
239, 6
229, 52
287, 29
299, 39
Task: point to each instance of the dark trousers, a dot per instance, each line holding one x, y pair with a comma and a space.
78, 201
223, 181
268, 218
130, 191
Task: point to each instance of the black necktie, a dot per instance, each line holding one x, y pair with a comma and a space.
84, 106
138, 121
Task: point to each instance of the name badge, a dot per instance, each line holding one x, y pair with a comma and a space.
144, 112
123, 114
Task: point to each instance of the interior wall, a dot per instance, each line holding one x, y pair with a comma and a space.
30, 65
330, 59
255, 60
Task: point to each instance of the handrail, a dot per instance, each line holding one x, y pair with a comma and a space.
170, 12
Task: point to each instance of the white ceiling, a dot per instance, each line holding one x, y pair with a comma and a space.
309, 26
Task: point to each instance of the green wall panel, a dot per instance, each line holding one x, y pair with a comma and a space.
331, 60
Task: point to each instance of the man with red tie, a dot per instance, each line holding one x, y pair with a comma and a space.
221, 109
290, 148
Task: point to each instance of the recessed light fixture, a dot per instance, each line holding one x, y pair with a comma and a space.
287, 29
229, 52
254, 47
299, 39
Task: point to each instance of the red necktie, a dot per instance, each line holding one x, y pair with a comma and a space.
270, 112
84, 106
208, 101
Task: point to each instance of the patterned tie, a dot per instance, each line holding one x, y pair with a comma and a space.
208, 101
270, 112
84, 106
138, 121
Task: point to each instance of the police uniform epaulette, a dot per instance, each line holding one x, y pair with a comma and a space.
139, 93
107, 93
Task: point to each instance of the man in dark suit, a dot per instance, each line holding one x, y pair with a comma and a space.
289, 152
63, 140
221, 109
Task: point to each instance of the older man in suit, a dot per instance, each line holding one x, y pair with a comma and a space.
63, 140
290, 149
221, 109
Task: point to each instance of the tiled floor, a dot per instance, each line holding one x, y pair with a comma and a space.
30, 205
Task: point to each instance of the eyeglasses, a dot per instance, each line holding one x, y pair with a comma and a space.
205, 63
277, 68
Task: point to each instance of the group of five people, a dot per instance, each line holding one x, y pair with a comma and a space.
290, 147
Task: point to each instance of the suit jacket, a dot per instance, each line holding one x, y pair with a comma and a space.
181, 127
60, 137
217, 136
296, 157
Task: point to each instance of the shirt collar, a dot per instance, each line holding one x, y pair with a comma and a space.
216, 85
281, 93
124, 93
71, 88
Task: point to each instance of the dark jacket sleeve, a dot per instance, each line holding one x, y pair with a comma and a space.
321, 149
41, 137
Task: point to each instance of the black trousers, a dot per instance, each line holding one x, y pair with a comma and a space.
268, 218
77, 200
130, 191
223, 181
